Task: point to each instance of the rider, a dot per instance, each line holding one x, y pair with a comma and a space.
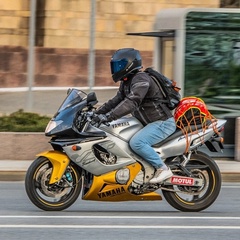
139, 95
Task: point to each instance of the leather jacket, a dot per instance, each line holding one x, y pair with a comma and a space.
138, 95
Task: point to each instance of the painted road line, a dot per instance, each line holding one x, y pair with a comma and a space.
120, 217
118, 227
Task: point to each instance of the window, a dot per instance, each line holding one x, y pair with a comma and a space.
212, 60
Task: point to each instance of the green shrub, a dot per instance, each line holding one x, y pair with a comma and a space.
21, 121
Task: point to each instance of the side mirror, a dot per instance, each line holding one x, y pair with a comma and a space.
69, 90
91, 99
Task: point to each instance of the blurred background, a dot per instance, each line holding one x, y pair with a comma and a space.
64, 31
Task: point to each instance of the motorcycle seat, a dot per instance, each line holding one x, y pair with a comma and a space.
179, 132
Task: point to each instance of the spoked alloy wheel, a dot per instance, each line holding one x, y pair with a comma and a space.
194, 199
54, 197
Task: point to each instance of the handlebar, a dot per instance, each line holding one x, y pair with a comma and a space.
84, 119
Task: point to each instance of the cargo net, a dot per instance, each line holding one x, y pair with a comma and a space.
192, 116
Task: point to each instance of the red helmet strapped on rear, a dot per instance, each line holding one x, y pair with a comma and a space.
193, 110
191, 115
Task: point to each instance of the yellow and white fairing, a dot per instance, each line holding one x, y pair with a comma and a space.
59, 161
106, 188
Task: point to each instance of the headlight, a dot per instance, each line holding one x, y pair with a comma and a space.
123, 175
52, 124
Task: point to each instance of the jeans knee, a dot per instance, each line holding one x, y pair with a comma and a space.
135, 144
131, 143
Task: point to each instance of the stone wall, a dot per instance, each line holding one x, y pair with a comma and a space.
66, 23
14, 15
63, 37
62, 67
22, 146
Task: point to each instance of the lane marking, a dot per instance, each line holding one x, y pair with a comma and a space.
120, 227
122, 217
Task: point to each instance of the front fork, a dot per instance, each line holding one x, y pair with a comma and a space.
59, 161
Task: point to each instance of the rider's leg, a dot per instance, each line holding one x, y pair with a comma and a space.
151, 134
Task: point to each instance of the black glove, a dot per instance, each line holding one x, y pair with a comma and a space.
101, 118
100, 109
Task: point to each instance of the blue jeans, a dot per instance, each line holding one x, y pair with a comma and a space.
141, 143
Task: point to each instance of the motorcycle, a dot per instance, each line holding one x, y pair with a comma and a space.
96, 161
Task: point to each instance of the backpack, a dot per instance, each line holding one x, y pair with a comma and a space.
168, 88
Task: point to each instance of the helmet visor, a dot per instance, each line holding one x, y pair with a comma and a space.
118, 65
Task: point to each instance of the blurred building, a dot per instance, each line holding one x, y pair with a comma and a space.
63, 37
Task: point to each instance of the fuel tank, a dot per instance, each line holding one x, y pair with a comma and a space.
124, 128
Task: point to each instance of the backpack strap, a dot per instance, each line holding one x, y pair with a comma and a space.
162, 102
160, 87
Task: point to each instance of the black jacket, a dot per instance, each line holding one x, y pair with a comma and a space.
140, 96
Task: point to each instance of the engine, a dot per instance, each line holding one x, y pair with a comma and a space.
103, 155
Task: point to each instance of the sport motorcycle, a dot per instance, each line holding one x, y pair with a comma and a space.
96, 161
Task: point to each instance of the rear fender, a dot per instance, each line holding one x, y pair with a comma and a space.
59, 161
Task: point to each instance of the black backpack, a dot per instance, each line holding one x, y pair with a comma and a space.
168, 88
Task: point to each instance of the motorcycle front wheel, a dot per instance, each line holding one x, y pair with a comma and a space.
54, 197
195, 199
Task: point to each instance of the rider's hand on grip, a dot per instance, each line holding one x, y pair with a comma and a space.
90, 115
100, 118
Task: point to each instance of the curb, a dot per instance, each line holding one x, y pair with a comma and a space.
230, 177
12, 175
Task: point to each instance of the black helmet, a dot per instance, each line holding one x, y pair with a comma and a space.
125, 61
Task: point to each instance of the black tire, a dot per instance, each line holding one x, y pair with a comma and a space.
55, 197
198, 198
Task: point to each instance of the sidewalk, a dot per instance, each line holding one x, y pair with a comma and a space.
15, 170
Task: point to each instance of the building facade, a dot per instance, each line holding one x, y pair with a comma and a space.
63, 36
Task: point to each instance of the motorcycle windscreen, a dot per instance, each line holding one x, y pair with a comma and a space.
74, 97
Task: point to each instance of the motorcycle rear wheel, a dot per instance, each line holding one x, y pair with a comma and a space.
54, 197
195, 199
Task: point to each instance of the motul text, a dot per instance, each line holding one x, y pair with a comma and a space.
182, 181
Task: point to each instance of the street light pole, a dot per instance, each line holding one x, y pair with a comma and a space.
91, 59
31, 54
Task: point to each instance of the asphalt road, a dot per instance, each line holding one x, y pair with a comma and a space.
20, 219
